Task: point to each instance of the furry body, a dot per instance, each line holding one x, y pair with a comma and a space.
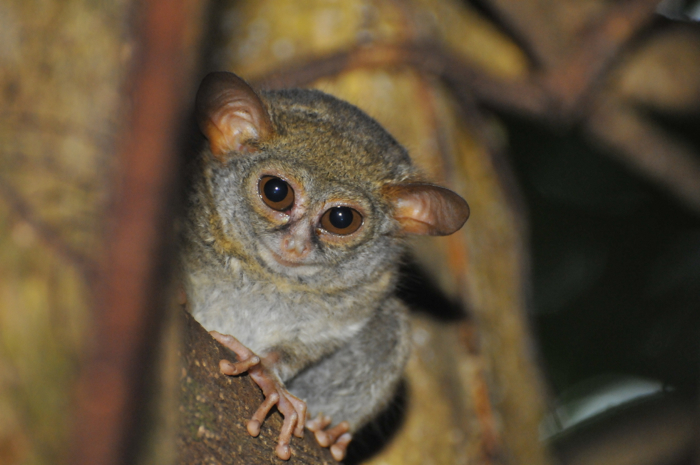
329, 327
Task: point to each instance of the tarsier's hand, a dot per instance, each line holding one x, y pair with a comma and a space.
292, 408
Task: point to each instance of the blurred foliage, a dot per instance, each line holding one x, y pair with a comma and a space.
61, 68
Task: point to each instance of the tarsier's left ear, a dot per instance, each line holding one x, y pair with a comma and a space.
230, 114
426, 209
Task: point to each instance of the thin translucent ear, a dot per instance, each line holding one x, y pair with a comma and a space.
426, 209
230, 114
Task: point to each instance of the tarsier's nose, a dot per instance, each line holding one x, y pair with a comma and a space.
295, 246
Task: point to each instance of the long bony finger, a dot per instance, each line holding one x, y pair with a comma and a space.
340, 447
327, 437
241, 351
283, 450
236, 368
300, 408
259, 416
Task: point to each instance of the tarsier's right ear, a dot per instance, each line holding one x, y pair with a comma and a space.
230, 114
426, 209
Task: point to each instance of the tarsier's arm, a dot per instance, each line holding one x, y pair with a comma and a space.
354, 383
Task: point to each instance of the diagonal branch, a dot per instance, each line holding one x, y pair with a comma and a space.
580, 75
430, 58
645, 148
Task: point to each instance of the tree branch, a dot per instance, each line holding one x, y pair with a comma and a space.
215, 409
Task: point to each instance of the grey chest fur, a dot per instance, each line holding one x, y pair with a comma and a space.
263, 317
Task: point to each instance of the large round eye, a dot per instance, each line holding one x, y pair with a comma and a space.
276, 193
341, 220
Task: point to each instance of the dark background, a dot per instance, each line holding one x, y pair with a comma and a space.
616, 260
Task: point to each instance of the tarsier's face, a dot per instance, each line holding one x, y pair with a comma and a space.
302, 230
301, 223
314, 188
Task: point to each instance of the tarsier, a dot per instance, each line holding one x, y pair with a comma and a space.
292, 238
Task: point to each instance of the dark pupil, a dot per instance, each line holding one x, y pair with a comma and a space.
276, 190
341, 217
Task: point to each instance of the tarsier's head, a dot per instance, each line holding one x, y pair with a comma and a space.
310, 187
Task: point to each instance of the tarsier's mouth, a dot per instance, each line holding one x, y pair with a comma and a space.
285, 262
296, 267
